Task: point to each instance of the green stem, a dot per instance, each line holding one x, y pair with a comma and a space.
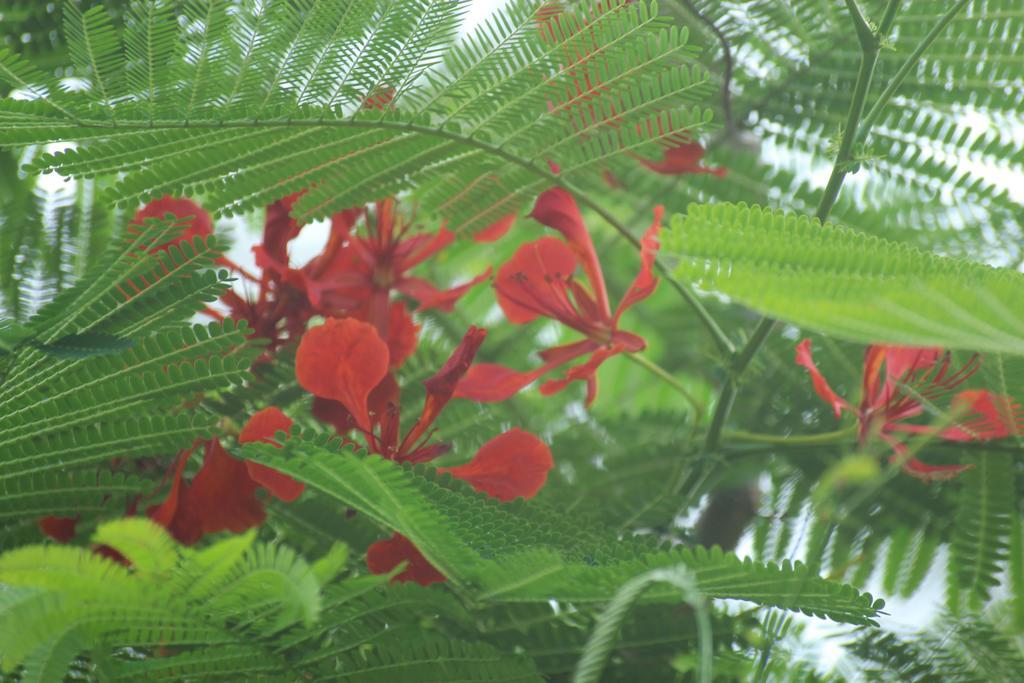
908, 65
665, 376
726, 399
870, 44
727, 63
869, 58
824, 438
739, 365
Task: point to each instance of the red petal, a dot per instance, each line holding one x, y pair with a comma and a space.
920, 470
402, 335
441, 387
684, 158
496, 230
430, 296
343, 360
584, 372
557, 209
805, 359
532, 282
111, 554
198, 221
337, 256
383, 556
279, 228
489, 383
164, 513
414, 250
898, 363
631, 343
902, 360
987, 416
279, 484
560, 355
380, 99
222, 496
509, 466
334, 413
261, 427
60, 529
645, 283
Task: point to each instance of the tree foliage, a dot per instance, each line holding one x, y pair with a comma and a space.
216, 467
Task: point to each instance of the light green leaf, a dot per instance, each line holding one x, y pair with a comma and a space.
845, 283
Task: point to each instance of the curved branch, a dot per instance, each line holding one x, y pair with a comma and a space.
727, 60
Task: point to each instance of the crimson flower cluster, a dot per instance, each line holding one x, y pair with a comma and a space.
344, 363
222, 496
348, 363
898, 383
539, 281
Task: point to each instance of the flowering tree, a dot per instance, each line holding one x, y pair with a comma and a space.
387, 458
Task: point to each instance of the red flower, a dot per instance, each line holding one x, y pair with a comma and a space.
898, 382
343, 360
383, 556
683, 158
222, 496
509, 466
538, 282
279, 310
60, 529
186, 210
360, 272
262, 426
354, 276
344, 363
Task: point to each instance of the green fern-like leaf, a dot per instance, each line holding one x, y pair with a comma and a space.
76, 346
982, 533
60, 601
853, 286
76, 394
517, 553
274, 97
602, 640
435, 658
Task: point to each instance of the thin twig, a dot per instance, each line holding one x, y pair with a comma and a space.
666, 376
870, 45
727, 62
909, 63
